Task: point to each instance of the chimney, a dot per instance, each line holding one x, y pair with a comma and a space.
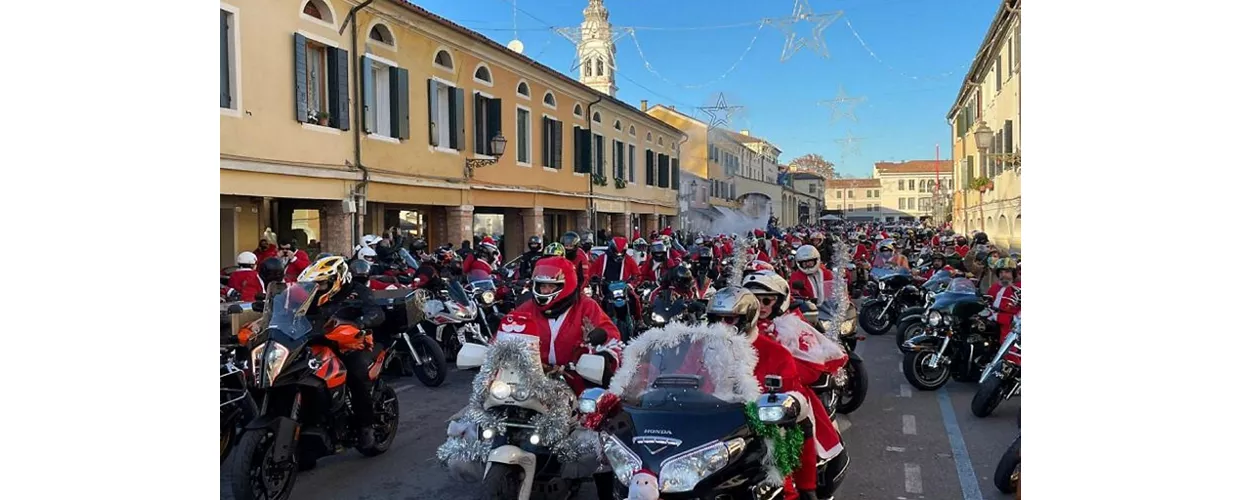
745, 132
644, 105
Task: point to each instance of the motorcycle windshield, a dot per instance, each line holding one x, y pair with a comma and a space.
682, 373
959, 290
288, 310
938, 280
887, 272
456, 292
481, 280
666, 307
408, 259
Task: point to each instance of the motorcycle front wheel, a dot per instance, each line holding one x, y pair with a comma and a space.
859, 385
907, 329
502, 482
872, 319
255, 474
988, 396
1007, 474
434, 367
920, 375
387, 419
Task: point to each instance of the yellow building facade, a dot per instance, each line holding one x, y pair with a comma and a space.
326, 136
908, 187
859, 199
989, 99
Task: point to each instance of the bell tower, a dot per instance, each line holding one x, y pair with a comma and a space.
596, 52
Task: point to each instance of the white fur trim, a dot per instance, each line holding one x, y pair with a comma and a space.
730, 358
804, 342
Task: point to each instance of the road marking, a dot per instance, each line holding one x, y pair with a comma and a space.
910, 425
912, 478
964, 467
895, 449
403, 388
906, 391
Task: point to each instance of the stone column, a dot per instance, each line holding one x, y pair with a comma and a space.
532, 224
437, 227
622, 225
337, 226
459, 226
650, 224
580, 222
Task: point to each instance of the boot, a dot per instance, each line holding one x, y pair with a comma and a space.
366, 437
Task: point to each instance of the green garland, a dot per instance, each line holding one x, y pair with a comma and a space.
788, 442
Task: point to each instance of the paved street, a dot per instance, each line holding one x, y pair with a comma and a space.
905, 444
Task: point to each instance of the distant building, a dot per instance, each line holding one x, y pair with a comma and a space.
858, 199
909, 187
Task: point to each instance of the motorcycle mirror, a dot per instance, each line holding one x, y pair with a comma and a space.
773, 383
234, 309
598, 337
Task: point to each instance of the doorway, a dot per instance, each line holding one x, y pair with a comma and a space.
228, 236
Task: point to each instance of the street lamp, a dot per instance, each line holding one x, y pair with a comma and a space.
498, 145
982, 136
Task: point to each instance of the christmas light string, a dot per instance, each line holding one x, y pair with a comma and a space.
737, 63
888, 66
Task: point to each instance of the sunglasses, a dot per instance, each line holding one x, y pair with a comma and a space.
729, 320
767, 300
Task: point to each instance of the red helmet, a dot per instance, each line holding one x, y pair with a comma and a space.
554, 270
617, 245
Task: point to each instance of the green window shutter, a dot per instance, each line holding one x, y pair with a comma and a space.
545, 147
301, 94
663, 170
557, 144
495, 121
225, 92
456, 120
399, 91
368, 95
338, 91
432, 112
480, 131
650, 177
676, 173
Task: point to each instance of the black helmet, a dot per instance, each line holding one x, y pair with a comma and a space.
536, 243
271, 270
359, 268
417, 245
570, 240
981, 239
658, 251
680, 277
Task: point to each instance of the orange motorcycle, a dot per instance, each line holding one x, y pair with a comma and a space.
305, 411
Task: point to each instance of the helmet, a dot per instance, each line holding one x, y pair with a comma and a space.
360, 268
807, 257
367, 254
756, 265
680, 277
555, 248
330, 273
886, 246
371, 240
418, 245
767, 284
536, 243
734, 306
587, 240
570, 240
272, 271
617, 245
817, 236
555, 271
247, 259
1004, 263
640, 244
981, 239
658, 251
486, 250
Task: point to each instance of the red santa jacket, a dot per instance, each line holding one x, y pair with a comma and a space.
247, 283
962, 250
300, 262
582, 264
475, 264
862, 253
270, 252
654, 271
561, 340
813, 288
628, 270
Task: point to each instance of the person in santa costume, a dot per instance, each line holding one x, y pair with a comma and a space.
740, 309
811, 280
1006, 293
658, 264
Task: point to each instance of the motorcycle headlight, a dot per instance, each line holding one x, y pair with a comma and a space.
657, 318
849, 326
623, 461
682, 473
488, 297
500, 389
271, 357
618, 293
934, 318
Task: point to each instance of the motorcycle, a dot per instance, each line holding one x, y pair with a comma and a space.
844, 390
452, 316
1007, 473
665, 309
408, 350
521, 461
679, 429
615, 299
893, 292
305, 404
1001, 378
485, 294
912, 321
957, 342
237, 407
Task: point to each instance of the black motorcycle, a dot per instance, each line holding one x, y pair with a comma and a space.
1001, 378
892, 291
1007, 473
664, 309
306, 412
616, 299
237, 407
958, 340
678, 423
913, 319
482, 285
409, 350
844, 391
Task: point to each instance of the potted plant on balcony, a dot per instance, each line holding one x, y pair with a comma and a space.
598, 179
620, 183
321, 117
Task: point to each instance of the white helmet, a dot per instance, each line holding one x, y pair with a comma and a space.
371, 240
769, 283
807, 254
367, 254
247, 259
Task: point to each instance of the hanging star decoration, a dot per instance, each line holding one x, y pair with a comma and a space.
573, 34
721, 113
849, 145
843, 106
802, 12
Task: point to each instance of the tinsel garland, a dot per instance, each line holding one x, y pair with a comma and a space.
786, 442
740, 258
839, 292
604, 408
555, 426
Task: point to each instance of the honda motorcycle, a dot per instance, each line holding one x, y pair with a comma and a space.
1001, 378
305, 406
958, 341
408, 351
679, 430
893, 292
452, 319
521, 462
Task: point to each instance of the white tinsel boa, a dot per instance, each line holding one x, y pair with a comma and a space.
730, 358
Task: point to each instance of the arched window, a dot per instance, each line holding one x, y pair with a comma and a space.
649, 137
577, 111
632, 131
482, 74
597, 117
599, 64
660, 140
382, 34
319, 9
444, 60
549, 99
616, 125
523, 89
589, 68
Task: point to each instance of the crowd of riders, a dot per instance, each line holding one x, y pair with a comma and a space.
780, 266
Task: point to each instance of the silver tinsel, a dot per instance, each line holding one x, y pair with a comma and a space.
839, 292
554, 426
740, 258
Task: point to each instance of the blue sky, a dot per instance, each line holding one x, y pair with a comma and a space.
921, 49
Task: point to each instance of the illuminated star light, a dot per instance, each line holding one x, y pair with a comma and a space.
802, 12
721, 105
849, 145
843, 106
573, 34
